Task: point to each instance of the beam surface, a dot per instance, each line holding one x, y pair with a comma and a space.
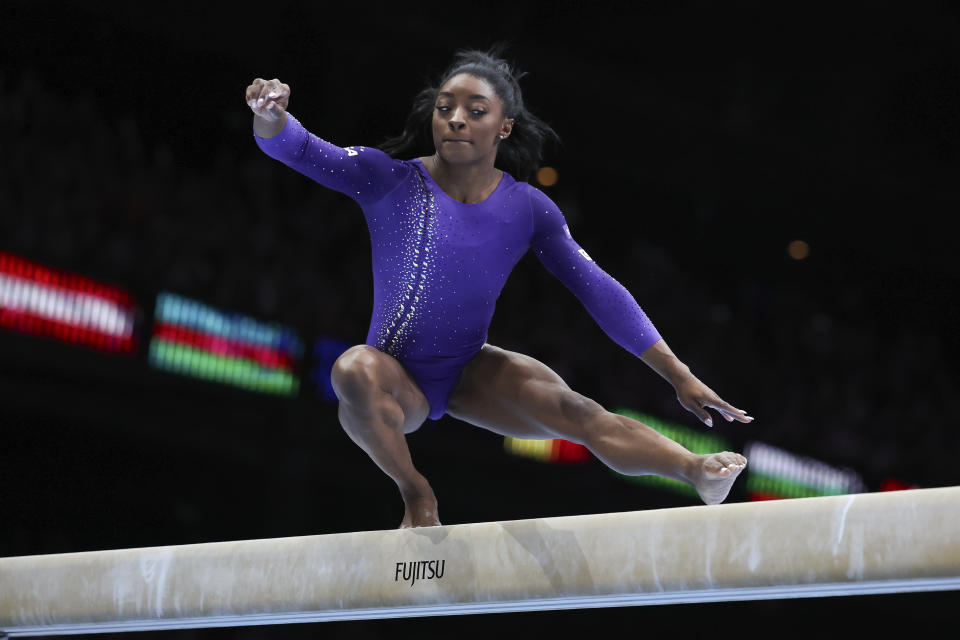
839, 545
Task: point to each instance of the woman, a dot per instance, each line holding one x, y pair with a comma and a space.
446, 230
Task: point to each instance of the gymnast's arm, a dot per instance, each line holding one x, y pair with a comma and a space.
363, 173
616, 311
605, 299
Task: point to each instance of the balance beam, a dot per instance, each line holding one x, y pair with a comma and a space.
839, 545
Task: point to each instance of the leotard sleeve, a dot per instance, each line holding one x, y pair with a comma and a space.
607, 301
363, 173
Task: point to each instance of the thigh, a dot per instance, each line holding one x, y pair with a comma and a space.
515, 395
362, 371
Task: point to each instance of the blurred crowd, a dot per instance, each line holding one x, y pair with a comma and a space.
85, 192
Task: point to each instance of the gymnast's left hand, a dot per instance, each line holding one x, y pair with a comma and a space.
696, 396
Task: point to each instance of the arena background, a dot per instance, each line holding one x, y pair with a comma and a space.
773, 183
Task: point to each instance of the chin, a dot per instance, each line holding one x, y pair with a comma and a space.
455, 158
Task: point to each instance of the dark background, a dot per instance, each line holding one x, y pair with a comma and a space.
699, 140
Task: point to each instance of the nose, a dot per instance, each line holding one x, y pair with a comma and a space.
457, 119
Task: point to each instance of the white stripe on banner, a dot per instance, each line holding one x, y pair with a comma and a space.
62, 305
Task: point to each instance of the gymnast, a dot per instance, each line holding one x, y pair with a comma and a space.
446, 230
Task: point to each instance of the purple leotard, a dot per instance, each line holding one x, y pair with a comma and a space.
439, 265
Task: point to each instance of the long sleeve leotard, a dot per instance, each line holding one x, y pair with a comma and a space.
439, 265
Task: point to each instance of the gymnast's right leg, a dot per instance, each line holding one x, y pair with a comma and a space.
379, 404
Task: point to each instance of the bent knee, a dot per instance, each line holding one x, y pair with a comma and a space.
355, 371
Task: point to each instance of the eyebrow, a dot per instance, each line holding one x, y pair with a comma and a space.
474, 96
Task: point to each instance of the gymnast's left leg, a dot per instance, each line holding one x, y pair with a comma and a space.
515, 395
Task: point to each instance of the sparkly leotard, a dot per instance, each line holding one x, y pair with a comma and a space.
439, 265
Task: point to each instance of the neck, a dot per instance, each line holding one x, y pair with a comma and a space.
466, 183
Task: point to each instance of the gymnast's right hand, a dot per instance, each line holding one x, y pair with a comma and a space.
268, 99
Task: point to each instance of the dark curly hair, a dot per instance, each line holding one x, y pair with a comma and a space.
519, 154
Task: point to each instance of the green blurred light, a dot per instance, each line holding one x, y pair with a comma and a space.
230, 370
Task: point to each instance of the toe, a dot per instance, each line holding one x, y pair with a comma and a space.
712, 465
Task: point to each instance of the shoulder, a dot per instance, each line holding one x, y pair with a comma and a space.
538, 200
546, 219
543, 210
379, 163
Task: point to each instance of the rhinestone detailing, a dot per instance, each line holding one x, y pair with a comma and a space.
420, 265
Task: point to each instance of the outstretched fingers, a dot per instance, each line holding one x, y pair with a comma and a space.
728, 411
696, 397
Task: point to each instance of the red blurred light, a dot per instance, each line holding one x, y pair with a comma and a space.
764, 496
892, 484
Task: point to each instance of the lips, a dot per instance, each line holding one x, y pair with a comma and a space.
456, 140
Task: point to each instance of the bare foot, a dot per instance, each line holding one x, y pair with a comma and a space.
715, 475
420, 512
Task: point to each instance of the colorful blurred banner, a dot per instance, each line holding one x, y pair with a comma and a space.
197, 340
773, 473
556, 450
696, 441
58, 304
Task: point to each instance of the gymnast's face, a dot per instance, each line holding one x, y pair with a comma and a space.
468, 120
